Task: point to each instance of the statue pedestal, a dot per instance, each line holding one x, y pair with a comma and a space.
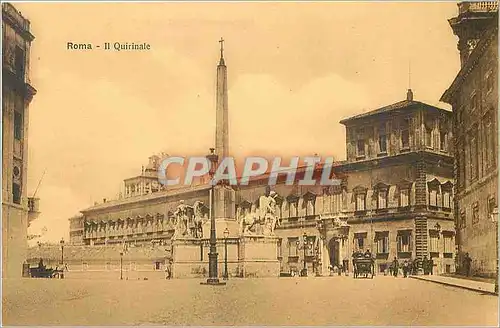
220, 225
187, 258
258, 256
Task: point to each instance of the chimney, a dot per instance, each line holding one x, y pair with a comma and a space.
104, 200
409, 95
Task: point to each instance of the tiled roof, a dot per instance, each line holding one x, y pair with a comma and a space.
390, 108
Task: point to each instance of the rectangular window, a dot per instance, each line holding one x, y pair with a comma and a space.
360, 202
463, 220
448, 244
382, 199
19, 62
404, 197
475, 213
292, 246
443, 138
18, 126
428, 137
361, 147
293, 210
433, 242
16, 193
382, 140
359, 242
405, 134
461, 168
382, 240
433, 197
446, 199
280, 254
473, 156
404, 242
490, 141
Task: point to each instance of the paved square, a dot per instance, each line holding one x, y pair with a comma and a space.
273, 301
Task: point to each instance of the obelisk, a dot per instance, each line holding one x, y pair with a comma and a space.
224, 195
221, 108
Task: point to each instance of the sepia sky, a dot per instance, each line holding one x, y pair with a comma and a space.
294, 70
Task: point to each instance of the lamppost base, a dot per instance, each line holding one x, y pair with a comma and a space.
213, 282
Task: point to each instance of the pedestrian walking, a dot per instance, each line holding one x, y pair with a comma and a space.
467, 264
168, 270
431, 266
405, 269
425, 265
415, 267
395, 267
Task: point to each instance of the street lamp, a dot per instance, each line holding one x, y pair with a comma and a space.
124, 249
305, 246
62, 250
212, 255
121, 265
226, 234
494, 219
62, 257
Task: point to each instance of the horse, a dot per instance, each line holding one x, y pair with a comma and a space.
248, 222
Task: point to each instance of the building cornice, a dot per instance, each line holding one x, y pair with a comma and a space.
470, 65
404, 158
14, 19
139, 200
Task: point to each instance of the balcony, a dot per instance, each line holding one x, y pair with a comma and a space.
33, 209
477, 7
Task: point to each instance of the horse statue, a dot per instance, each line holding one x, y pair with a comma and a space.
183, 217
248, 223
199, 210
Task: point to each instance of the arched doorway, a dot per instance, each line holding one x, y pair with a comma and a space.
334, 252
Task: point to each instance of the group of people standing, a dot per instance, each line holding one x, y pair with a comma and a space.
409, 267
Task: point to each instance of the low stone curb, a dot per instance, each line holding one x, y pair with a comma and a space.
455, 285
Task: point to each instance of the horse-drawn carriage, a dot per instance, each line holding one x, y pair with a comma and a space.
37, 272
364, 265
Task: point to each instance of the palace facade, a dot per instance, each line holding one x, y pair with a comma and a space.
396, 199
17, 92
474, 98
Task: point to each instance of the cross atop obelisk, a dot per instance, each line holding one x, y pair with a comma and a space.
221, 41
221, 61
